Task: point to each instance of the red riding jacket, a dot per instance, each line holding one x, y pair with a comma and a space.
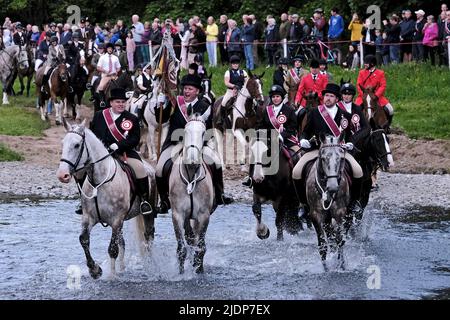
376, 80
307, 85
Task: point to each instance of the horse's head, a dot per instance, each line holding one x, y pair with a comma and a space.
254, 87
331, 162
125, 80
194, 135
62, 72
258, 148
22, 58
379, 145
74, 153
312, 100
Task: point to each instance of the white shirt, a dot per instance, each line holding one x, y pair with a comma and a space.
368, 36
115, 115
277, 108
332, 111
348, 106
103, 63
192, 103
227, 74
140, 79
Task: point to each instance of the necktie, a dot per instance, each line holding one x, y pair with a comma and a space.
298, 71
314, 77
189, 109
110, 64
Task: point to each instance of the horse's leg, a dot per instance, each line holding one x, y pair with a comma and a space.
121, 252
29, 78
262, 231
218, 136
200, 231
94, 269
66, 113
178, 225
151, 142
320, 240
22, 86
113, 249
340, 241
5, 95
280, 210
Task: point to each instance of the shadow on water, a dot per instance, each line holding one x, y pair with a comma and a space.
39, 241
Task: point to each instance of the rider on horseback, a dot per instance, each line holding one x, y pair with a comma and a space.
329, 119
371, 77
109, 66
119, 131
295, 76
359, 122
234, 79
279, 116
96, 74
56, 55
186, 105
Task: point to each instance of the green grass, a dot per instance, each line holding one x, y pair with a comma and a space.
9, 155
20, 117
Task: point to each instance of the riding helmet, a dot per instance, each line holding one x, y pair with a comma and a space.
101, 45
323, 62
109, 45
48, 34
371, 60
75, 35
54, 39
118, 43
298, 58
348, 88
333, 89
192, 80
235, 59
283, 61
277, 89
193, 66
19, 26
198, 58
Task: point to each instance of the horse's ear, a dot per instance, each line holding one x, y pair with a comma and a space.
250, 74
262, 75
67, 125
210, 76
349, 80
322, 137
342, 82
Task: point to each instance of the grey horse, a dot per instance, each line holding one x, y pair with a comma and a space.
106, 194
12, 60
328, 195
191, 194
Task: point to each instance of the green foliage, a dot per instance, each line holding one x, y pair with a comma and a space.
9, 155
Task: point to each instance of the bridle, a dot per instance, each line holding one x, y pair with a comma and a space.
325, 177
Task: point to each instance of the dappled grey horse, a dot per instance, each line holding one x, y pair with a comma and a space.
191, 194
328, 195
106, 194
12, 60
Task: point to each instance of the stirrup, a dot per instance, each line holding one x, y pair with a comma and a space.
102, 104
146, 208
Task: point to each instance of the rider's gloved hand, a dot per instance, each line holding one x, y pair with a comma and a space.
114, 147
161, 98
349, 146
305, 144
280, 137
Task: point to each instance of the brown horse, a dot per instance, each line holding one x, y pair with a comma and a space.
312, 102
241, 116
57, 87
27, 72
374, 113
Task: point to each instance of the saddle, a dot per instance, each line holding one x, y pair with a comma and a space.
130, 175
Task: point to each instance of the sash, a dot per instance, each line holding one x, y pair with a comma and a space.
112, 125
182, 106
273, 119
294, 76
329, 121
341, 106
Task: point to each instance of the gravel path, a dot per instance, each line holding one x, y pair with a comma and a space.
396, 190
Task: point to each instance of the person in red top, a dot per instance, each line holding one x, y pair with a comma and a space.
370, 76
312, 82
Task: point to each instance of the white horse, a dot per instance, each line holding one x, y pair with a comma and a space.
191, 194
11, 58
106, 195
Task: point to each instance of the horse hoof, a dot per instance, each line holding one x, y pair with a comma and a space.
58, 123
199, 270
263, 236
96, 272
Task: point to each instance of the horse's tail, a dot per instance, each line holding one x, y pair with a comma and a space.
140, 234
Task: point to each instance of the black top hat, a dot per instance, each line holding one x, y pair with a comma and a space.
192, 80
314, 63
117, 94
333, 89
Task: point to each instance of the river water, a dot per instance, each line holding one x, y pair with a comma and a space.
400, 255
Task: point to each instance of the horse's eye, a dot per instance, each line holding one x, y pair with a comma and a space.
77, 146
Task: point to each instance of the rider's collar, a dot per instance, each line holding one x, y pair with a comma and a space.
192, 103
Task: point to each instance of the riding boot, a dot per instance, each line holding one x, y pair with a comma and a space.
221, 198
223, 114
389, 119
44, 83
143, 190
163, 190
355, 194
141, 114
79, 209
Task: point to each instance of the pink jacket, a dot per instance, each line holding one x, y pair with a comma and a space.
131, 45
431, 34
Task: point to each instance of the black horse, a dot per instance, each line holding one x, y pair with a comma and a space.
123, 81
78, 81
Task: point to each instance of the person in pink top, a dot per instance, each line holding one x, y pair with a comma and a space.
131, 48
430, 39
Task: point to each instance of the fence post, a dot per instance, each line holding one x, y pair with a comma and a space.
448, 52
361, 50
285, 53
